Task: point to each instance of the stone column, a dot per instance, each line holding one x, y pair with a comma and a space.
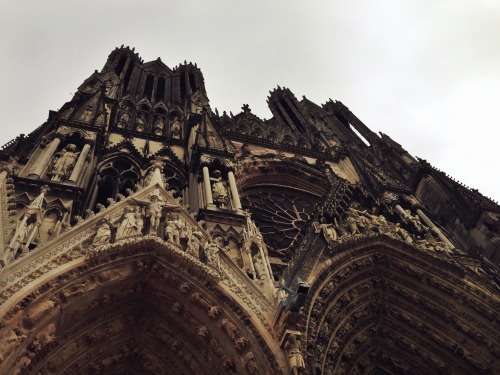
401, 211
234, 190
79, 164
435, 229
43, 160
208, 187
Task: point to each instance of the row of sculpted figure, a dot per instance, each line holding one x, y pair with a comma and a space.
136, 221
159, 124
360, 221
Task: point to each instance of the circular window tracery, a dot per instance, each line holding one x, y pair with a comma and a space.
280, 216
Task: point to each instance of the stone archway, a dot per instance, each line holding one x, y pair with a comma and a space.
136, 308
381, 307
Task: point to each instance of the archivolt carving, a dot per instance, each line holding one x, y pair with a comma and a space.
376, 295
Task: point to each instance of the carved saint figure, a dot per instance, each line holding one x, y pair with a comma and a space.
295, 359
158, 125
103, 234
219, 191
173, 228
123, 120
154, 208
175, 128
130, 225
212, 251
195, 242
402, 233
140, 122
260, 267
63, 163
328, 230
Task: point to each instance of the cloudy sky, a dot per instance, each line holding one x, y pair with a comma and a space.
425, 72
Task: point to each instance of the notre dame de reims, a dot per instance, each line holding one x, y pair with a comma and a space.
142, 232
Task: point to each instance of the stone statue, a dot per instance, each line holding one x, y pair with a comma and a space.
173, 228
195, 242
219, 191
295, 359
140, 122
131, 224
103, 235
158, 125
415, 221
154, 208
260, 267
402, 233
251, 364
328, 230
212, 250
63, 163
175, 128
123, 121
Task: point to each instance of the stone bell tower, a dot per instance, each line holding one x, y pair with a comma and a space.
142, 232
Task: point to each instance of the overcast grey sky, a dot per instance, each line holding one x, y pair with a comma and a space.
425, 72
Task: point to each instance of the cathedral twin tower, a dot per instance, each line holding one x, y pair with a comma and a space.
143, 233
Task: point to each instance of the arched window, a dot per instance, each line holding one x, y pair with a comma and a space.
121, 64
148, 87
115, 178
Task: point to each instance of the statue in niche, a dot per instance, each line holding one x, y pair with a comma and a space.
131, 224
123, 120
63, 163
175, 128
212, 251
103, 235
260, 267
140, 122
328, 230
87, 115
219, 191
154, 208
194, 242
158, 125
173, 228
293, 350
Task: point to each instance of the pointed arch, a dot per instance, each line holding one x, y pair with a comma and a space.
382, 303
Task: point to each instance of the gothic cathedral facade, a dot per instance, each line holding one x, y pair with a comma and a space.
143, 232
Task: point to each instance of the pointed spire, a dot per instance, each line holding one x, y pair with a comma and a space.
156, 177
38, 201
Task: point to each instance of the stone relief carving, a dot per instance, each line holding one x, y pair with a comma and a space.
234, 334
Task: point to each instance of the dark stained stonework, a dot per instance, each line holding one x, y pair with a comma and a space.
143, 232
